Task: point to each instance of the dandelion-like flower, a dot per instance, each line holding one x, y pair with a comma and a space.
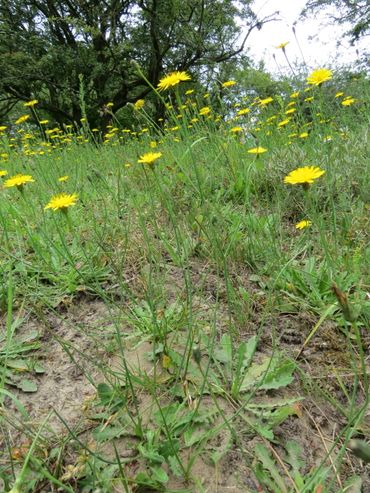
229, 83
63, 178
44, 122
172, 80
149, 157
31, 104
139, 104
205, 110
257, 150
18, 181
3, 172
303, 224
348, 101
236, 129
304, 176
264, 102
283, 122
282, 46
62, 202
319, 76
22, 119
243, 111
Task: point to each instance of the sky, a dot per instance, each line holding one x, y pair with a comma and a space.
318, 44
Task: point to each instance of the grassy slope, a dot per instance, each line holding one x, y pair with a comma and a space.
206, 294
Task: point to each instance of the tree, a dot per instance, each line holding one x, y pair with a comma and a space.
354, 12
47, 47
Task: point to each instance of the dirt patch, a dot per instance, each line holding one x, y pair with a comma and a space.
79, 350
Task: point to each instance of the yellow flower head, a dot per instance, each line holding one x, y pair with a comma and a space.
22, 119
44, 122
257, 150
62, 201
348, 101
229, 83
2, 128
265, 101
236, 129
3, 172
204, 111
319, 76
282, 46
149, 157
139, 104
63, 178
18, 181
284, 122
243, 111
31, 104
189, 91
304, 176
303, 224
172, 80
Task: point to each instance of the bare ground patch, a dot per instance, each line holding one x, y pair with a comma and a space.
77, 351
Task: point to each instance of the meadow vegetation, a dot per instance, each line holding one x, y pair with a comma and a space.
185, 301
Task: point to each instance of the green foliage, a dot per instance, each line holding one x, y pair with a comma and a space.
45, 47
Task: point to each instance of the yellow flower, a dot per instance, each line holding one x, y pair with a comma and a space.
31, 104
348, 101
257, 150
339, 94
189, 91
294, 95
236, 129
229, 83
18, 181
319, 76
284, 122
243, 111
281, 46
149, 157
63, 178
139, 104
22, 119
303, 224
291, 110
62, 201
44, 122
172, 80
109, 105
304, 176
265, 101
204, 111
303, 135
3, 172
307, 100
2, 128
